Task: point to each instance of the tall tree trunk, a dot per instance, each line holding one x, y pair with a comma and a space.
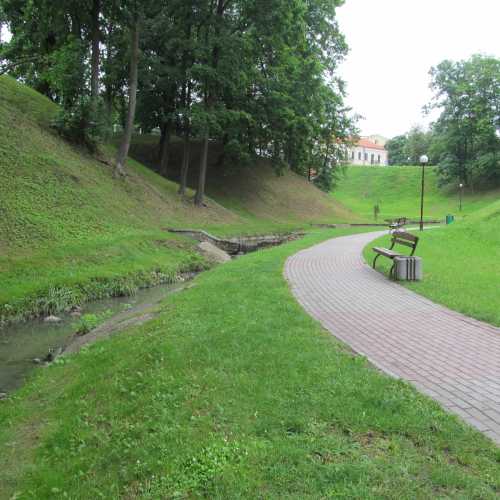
210, 101
94, 70
200, 192
165, 150
129, 125
160, 143
185, 165
187, 146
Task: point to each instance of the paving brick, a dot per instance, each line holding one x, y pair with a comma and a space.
446, 355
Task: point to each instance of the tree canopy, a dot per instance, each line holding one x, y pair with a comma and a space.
406, 149
256, 76
466, 138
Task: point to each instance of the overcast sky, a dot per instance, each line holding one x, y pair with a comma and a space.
394, 43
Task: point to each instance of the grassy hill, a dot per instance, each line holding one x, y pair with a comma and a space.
397, 191
70, 231
461, 264
254, 192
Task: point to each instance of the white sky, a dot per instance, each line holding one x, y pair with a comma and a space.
394, 43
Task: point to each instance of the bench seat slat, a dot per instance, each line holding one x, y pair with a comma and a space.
385, 251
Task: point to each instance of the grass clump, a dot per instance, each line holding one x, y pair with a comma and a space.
88, 322
233, 391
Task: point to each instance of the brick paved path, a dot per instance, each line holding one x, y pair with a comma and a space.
450, 357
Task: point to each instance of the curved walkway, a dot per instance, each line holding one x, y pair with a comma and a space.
446, 355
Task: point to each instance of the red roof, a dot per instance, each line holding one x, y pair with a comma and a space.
365, 143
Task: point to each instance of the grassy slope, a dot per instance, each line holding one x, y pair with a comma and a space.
461, 264
212, 400
397, 190
255, 192
69, 231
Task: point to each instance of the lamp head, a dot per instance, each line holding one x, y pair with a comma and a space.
460, 185
424, 159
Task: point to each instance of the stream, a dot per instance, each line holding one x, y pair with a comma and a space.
22, 343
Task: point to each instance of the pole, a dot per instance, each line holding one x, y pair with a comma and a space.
422, 199
460, 198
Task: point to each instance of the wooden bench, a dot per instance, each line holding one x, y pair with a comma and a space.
395, 224
397, 238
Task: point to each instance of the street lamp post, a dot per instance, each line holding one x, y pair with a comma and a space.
461, 186
423, 161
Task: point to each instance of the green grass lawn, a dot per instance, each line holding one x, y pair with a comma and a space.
234, 392
397, 191
461, 264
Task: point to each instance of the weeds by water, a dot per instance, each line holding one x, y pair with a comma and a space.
57, 299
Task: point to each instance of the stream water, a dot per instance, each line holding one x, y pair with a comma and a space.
21, 343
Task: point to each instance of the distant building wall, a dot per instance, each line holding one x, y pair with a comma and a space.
366, 152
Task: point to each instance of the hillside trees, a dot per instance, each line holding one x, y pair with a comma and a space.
467, 133
418, 143
257, 77
396, 150
406, 149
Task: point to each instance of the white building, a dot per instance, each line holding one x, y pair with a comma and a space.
367, 152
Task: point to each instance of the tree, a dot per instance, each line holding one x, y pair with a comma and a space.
417, 144
2, 22
132, 97
408, 148
50, 49
467, 133
255, 77
396, 150
95, 58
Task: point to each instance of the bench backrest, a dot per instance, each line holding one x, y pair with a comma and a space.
404, 238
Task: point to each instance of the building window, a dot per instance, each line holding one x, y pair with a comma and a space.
378, 159
366, 156
372, 159
352, 155
359, 155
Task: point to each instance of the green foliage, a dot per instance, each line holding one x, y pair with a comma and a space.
408, 148
211, 400
467, 140
417, 144
396, 150
261, 81
81, 124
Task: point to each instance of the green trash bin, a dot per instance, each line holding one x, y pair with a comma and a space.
449, 219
